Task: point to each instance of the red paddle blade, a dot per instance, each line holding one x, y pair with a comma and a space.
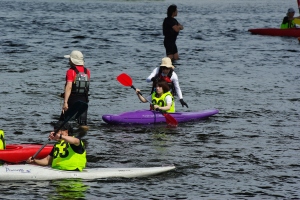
124, 79
170, 120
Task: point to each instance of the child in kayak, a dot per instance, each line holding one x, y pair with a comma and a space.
67, 154
161, 99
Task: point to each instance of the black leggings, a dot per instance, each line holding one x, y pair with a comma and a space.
82, 120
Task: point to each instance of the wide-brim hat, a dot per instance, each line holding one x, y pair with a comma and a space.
167, 62
76, 57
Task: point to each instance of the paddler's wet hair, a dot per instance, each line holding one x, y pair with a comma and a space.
66, 126
164, 85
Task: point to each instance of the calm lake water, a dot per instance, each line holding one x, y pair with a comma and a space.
250, 150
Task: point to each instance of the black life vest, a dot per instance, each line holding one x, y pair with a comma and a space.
81, 83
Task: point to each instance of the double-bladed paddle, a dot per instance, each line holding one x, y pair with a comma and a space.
73, 112
126, 80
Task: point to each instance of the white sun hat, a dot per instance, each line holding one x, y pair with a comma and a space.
76, 57
166, 62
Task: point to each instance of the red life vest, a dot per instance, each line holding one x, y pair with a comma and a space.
165, 78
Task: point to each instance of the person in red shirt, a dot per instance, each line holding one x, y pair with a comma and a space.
77, 84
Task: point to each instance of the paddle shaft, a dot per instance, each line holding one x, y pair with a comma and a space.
76, 110
161, 111
66, 120
126, 80
141, 94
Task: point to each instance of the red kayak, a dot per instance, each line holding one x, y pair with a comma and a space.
291, 32
17, 153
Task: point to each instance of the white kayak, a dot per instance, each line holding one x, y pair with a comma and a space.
34, 172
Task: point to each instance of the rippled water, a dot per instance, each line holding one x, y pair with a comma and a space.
250, 150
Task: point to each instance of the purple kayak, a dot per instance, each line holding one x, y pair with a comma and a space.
152, 117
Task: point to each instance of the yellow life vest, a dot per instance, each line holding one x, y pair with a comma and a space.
65, 158
2, 140
161, 101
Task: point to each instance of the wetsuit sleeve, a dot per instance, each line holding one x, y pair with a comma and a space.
153, 73
285, 23
78, 149
174, 79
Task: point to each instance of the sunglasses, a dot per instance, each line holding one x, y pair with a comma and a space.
164, 68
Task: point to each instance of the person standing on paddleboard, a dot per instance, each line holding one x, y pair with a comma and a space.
171, 28
161, 99
166, 72
288, 20
77, 85
67, 154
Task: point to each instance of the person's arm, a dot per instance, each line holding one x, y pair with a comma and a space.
174, 79
69, 139
142, 99
152, 75
68, 89
43, 162
177, 27
168, 106
178, 90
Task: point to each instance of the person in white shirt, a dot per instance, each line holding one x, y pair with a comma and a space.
166, 72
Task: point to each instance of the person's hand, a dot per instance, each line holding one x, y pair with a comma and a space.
65, 106
183, 103
29, 160
154, 79
156, 107
137, 91
54, 136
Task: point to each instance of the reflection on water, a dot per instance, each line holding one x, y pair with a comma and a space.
67, 189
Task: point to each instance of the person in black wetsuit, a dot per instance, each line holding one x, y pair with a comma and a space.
171, 28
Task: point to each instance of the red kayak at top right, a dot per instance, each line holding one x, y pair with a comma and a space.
291, 32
